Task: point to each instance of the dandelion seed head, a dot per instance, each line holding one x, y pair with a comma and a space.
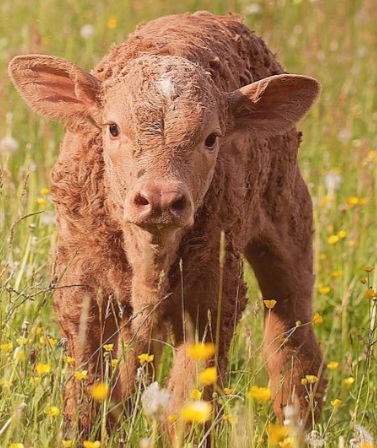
154, 400
9, 145
314, 439
87, 31
332, 182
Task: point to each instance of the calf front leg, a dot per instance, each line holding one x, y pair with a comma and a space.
86, 327
204, 310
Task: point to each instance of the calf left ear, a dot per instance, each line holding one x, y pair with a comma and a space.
273, 105
54, 87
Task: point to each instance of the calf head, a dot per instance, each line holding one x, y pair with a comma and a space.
163, 122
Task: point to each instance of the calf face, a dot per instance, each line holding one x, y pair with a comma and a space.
162, 122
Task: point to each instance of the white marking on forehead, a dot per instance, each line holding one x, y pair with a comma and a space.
167, 87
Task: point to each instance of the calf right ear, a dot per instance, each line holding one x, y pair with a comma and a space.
54, 87
272, 105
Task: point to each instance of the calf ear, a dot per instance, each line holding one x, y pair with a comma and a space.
54, 87
273, 105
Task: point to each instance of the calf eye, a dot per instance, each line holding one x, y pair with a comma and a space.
114, 130
210, 141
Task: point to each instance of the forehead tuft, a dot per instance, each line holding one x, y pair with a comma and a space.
167, 87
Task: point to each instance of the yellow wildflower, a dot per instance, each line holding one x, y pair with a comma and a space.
89, 444
172, 418
370, 293
45, 191
324, 290
270, 303
337, 273
22, 340
336, 403
368, 268
16, 445
197, 411
332, 239
325, 200
366, 445
42, 202
332, 365
276, 433
196, 394
342, 234
47, 341
112, 23
349, 381
145, 358
309, 379
317, 319
6, 384
6, 347
42, 369
261, 394
67, 443
100, 391
68, 359
201, 351
228, 390
37, 331
114, 362
108, 347
52, 411
35, 380
322, 256
208, 376
286, 443
352, 201
19, 354
230, 419
81, 375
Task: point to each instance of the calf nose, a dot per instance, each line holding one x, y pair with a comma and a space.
162, 206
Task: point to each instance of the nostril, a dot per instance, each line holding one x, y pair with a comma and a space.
141, 200
178, 204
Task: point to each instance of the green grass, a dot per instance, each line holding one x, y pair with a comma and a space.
333, 41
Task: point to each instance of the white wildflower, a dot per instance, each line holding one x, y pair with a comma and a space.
315, 439
292, 418
253, 8
9, 145
154, 400
145, 443
363, 436
87, 31
344, 135
48, 218
332, 182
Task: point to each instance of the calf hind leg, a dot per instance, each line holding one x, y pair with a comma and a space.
291, 351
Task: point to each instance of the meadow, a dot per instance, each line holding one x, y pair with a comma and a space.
335, 42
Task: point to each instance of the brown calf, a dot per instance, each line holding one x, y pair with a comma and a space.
184, 131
